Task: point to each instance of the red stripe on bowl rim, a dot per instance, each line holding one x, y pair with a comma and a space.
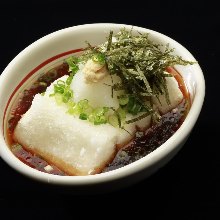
32, 72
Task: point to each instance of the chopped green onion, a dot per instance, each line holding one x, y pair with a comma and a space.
100, 111
58, 98
58, 89
91, 118
61, 83
133, 106
75, 110
98, 115
99, 58
68, 94
83, 104
69, 79
123, 100
83, 116
73, 64
70, 103
65, 99
100, 120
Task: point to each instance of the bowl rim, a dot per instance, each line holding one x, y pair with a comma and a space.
149, 160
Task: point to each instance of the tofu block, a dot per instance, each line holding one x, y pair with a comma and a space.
76, 146
175, 96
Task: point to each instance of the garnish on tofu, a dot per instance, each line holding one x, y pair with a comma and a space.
141, 65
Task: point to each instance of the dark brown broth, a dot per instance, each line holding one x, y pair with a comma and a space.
143, 144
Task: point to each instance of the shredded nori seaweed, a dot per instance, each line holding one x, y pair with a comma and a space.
140, 63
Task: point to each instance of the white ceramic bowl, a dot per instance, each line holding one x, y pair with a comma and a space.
48, 50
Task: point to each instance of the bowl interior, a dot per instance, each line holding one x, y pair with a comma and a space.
52, 50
